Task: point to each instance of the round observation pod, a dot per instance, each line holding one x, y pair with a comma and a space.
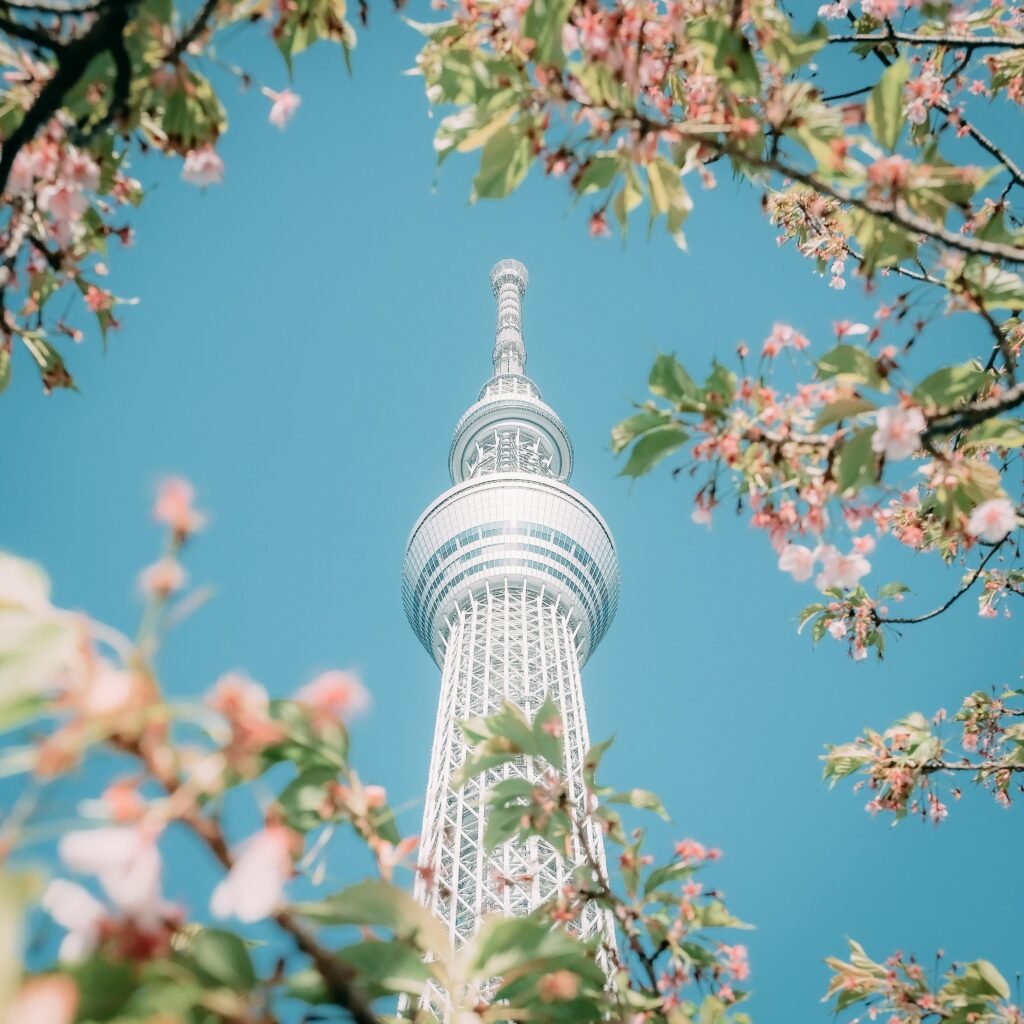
519, 528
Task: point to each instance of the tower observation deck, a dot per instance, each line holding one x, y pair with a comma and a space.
510, 581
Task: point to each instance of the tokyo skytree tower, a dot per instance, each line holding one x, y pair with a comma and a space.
510, 581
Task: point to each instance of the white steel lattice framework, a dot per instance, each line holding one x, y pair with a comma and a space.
510, 581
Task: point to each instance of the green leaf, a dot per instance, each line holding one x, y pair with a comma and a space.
842, 409
849, 363
892, 589
981, 978
5, 368
626, 432
547, 733
627, 199
670, 380
52, 370
885, 105
947, 386
592, 761
103, 988
598, 173
1001, 433
382, 905
654, 446
729, 53
995, 287
386, 967
302, 800
666, 874
543, 23
503, 163
858, 462
668, 197
220, 958
789, 49
883, 243
643, 799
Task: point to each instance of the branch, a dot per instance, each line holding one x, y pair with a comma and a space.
37, 36
192, 32
986, 767
896, 212
72, 61
336, 975
987, 144
956, 597
948, 420
59, 9
847, 95
971, 43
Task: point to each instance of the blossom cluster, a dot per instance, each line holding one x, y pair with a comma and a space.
901, 767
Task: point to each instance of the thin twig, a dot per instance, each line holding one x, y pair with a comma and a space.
975, 576
192, 32
30, 34
971, 43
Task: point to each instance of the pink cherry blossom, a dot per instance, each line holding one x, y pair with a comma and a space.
837, 629
335, 694
81, 169
992, 520
162, 577
798, 561
253, 888
126, 861
847, 329
50, 999
173, 506
898, 434
840, 571
390, 855
98, 300
691, 850
557, 986
598, 225
736, 961
246, 706
78, 911
864, 545
203, 167
701, 514
285, 103
108, 691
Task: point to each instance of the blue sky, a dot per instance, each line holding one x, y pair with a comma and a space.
309, 333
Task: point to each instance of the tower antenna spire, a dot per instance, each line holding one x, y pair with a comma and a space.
508, 282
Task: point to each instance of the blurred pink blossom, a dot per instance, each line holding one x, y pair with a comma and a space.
253, 888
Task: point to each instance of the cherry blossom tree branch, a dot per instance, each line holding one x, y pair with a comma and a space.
1016, 173
914, 39
73, 59
975, 576
192, 32
30, 34
971, 415
986, 767
896, 212
59, 9
336, 976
